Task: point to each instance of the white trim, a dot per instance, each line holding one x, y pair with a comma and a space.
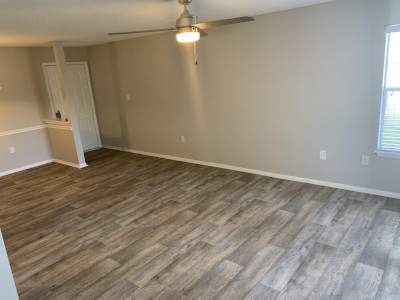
56, 122
60, 127
388, 154
67, 63
264, 173
22, 130
69, 164
38, 164
393, 28
384, 93
42, 163
38, 127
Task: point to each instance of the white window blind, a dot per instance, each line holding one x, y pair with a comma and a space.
389, 133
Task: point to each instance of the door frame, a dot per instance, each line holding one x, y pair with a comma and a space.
89, 82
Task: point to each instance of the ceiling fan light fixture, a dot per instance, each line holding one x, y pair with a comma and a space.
188, 35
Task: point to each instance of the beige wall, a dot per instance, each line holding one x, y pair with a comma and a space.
31, 148
20, 98
20, 107
24, 103
107, 93
267, 95
63, 145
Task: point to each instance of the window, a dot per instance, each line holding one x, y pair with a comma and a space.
389, 131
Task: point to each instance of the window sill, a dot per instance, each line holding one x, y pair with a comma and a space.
388, 154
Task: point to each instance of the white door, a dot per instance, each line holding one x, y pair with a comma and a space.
53, 89
80, 94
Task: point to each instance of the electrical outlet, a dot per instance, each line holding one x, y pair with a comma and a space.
365, 160
323, 155
183, 139
11, 150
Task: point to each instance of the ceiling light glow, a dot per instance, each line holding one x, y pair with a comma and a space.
190, 36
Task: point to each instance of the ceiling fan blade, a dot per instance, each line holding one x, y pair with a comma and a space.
211, 24
143, 31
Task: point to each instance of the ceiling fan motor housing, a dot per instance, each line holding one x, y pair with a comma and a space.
185, 2
186, 19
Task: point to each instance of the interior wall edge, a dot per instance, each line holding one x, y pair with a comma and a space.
265, 173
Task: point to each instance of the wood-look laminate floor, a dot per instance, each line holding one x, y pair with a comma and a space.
136, 227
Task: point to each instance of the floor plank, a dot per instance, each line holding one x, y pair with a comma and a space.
137, 227
363, 283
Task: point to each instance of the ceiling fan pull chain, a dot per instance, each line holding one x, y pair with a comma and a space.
196, 53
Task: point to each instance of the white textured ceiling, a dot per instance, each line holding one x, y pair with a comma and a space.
37, 22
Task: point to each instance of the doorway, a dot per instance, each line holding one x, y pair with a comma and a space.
81, 97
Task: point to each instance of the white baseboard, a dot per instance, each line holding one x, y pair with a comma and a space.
264, 173
69, 164
38, 164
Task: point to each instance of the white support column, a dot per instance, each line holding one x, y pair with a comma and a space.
7, 285
61, 63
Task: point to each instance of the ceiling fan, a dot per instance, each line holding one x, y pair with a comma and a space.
187, 27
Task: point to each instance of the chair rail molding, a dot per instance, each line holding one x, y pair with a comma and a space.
22, 130
48, 124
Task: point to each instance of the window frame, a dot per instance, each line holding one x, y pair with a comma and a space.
385, 90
